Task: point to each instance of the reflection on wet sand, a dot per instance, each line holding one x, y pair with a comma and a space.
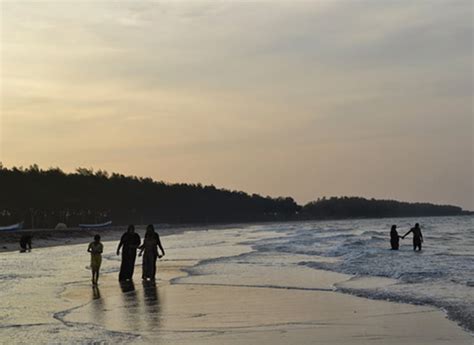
152, 306
97, 306
129, 310
133, 310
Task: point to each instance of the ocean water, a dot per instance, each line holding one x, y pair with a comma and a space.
47, 299
442, 274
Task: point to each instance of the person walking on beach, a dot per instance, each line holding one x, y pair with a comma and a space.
150, 246
417, 236
25, 243
394, 238
95, 248
129, 243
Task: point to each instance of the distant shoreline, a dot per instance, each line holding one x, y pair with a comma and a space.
43, 238
9, 240
88, 196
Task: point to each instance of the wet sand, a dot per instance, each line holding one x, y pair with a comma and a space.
211, 314
53, 302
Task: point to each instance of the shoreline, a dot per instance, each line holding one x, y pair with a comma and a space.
53, 238
189, 309
44, 238
363, 294
196, 313
10, 239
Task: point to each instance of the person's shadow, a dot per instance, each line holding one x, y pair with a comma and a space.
129, 313
129, 295
152, 303
97, 305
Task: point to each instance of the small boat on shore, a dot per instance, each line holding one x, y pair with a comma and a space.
13, 227
96, 226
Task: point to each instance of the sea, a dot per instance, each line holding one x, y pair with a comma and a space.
40, 290
441, 275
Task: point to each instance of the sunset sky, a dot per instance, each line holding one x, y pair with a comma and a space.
291, 98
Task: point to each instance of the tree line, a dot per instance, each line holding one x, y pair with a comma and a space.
44, 198
357, 207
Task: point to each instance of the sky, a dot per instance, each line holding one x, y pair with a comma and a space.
282, 98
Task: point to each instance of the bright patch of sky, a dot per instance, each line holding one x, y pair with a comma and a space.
298, 98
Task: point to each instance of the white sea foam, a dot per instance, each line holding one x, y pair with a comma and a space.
441, 275
280, 255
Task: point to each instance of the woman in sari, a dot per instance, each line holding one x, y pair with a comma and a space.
150, 252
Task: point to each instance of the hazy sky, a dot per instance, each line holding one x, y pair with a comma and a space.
297, 98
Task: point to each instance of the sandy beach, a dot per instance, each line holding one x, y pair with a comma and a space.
212, 314
54, 303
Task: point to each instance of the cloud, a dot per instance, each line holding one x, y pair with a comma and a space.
250, 95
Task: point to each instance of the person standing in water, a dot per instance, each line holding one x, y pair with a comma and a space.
130, 242
417, 236
394, 238
95, 248
150, 246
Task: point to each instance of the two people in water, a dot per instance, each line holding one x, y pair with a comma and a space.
129, 244
417, 237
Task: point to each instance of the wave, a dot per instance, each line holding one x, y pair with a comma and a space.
456, 310
445, 268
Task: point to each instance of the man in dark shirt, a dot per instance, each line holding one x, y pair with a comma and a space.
130, 242
417, 236
25, 243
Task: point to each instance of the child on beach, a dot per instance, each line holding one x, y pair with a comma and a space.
95, 248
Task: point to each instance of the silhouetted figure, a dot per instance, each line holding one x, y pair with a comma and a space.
150, 248
95, 248
130, 241
417, 236
394, 238
25, 243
